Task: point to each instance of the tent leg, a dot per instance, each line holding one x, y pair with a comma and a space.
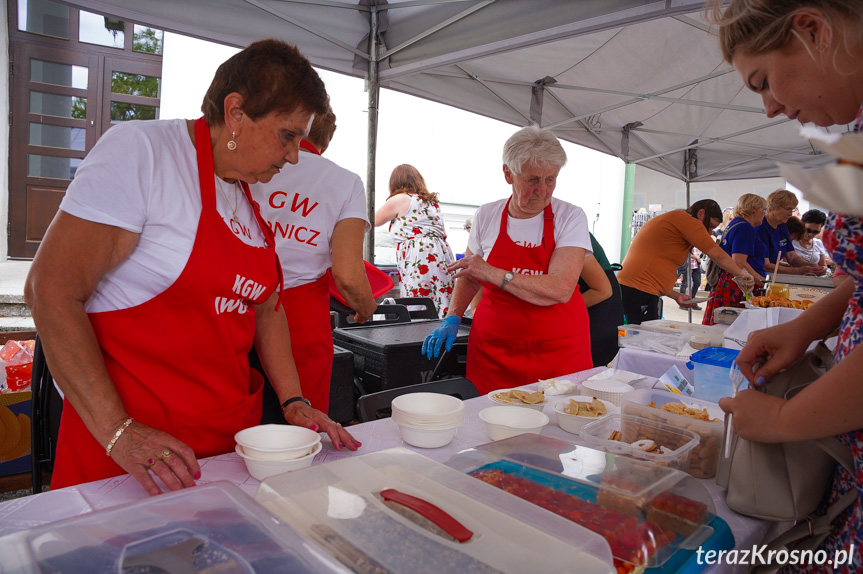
628, 191
374, 93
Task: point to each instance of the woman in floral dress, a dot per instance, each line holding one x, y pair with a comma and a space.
422, 252
803, 57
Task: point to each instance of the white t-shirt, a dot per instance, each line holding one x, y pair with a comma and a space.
811, 256
570, 228
302, 205
142, 176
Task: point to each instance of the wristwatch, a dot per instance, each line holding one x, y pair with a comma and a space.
506, 279
295, 399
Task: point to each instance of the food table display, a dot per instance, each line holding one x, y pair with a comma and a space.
33, 511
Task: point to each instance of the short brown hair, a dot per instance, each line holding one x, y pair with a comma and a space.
749, 203
272, 76
407, 179
760, 26
782, 198
710, 207
795, 227
322, 130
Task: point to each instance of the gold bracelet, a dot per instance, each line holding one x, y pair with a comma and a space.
117, 435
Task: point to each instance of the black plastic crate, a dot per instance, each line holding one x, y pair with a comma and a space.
343, 402
389, 356
342, 396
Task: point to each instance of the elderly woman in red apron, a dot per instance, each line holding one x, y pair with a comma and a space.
157, 276
526, 253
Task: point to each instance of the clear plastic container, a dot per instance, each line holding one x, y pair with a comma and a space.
646, 513
657, 339
712, 332
712, 367
676, 444
704, 458
216, 527
726, 316
341, 506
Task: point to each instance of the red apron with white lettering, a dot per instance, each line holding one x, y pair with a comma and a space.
180, 360
312, 339
513, 342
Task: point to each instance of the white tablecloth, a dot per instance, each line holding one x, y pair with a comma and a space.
31, 511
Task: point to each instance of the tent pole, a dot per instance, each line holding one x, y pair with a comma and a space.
374, 92
625, 228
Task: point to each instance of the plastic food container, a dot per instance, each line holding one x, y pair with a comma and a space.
215, 527
622, 499
704, 458
726, 316
712, 332
656, 339
633, 429
712, 367
346, 507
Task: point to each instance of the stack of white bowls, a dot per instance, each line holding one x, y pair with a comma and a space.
274, 449
427, 420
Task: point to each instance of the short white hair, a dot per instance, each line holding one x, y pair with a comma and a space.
533, 144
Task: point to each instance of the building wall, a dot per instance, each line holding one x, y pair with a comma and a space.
652, 187
4, 132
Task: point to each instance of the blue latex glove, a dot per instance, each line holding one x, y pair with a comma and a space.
445, 333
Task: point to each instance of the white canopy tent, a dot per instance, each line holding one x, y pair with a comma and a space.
642, 80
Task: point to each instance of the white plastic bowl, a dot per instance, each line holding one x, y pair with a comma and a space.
428, 438
516, 403
262, 469
428, 407
606, 389
277, 442
573, 423
506, 421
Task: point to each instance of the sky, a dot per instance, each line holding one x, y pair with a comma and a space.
457, 152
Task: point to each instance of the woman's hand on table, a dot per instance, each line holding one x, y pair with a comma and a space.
756, 415
301, 414
770, 350
141, 449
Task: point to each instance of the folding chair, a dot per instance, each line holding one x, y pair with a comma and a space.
378, 405
45, 410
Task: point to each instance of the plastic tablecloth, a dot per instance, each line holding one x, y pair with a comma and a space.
31, 511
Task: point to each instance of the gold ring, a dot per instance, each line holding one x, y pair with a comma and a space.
165, 454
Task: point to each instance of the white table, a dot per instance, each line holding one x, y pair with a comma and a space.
31, 511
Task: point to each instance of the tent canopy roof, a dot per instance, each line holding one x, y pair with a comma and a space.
642, 80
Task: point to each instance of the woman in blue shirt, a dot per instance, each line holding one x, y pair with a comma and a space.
741, 241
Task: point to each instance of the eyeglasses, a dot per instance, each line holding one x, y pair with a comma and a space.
467, 227
811, 231
789, 209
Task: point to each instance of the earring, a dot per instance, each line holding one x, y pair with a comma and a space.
232, 145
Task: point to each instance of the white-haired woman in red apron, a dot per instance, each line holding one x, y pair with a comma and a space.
157, 276
526, 253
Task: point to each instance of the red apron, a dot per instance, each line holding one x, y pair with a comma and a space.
312, 339
180, 360
513, 342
